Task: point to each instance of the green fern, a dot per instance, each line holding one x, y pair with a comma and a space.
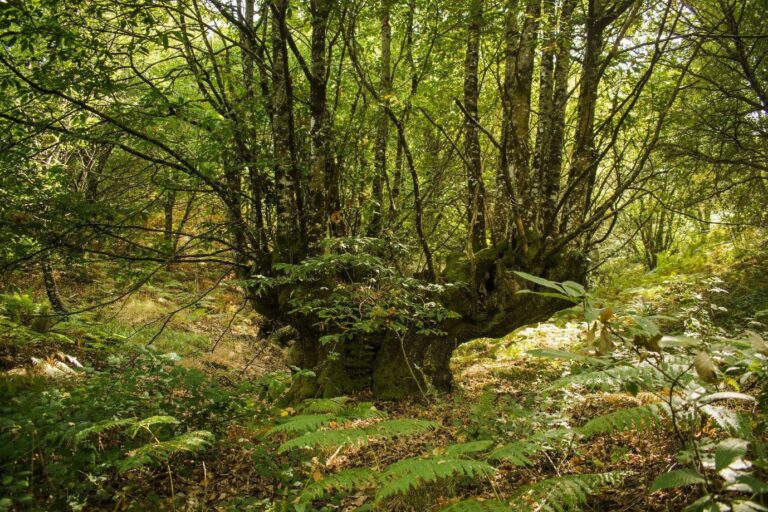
102, 426
302, 423
519, 453
324, 439
337, 411
563, 493
476, 505
346, 480
644, 417
151, 421
728, 420
408, 474
325, 405
149, 453
612, 378
400, 427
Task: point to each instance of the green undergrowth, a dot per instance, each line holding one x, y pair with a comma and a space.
650, 398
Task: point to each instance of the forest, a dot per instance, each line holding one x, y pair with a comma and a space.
380, 255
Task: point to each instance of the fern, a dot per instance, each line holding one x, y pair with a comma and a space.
336, 411
326, 405
102, 426
302, 423
728, 420
191, 442
324, 439
146, 423
639, 418
612, 378
519, 453
407, 474
346, 480
476, 505
400, 427
564, 493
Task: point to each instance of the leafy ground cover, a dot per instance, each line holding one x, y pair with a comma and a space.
648, 400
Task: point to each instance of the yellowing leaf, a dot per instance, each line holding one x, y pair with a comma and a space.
705, 368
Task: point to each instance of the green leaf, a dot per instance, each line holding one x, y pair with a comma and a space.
677, 478
541, 281
551, 295
729, 451
574, 289
748, 484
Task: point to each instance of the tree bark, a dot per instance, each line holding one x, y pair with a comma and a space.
382, 123
516, 99
551, 155
475, 186
322, 174
51, 288
288, 239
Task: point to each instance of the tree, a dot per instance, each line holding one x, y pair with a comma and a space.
257, 135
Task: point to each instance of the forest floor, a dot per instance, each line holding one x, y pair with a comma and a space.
503, 392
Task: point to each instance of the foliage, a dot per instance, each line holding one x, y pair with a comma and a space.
106, 423
22, 309
563, 493
355, 289
685, 384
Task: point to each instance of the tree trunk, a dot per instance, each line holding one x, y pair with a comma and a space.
382, 124
168, 229
321, 161
416, 364
288, 239
552, 145
475, 187
51, 288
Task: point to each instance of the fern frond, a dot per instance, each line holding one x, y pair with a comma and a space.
728, 420
346, 480
151, 422
519, 453
407, 474
612, 378
102, 426
644, 417
361, 411
339, 413
324, 439
325, 405
190, 442
302, 423
476, 505
563, 493
400, 427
